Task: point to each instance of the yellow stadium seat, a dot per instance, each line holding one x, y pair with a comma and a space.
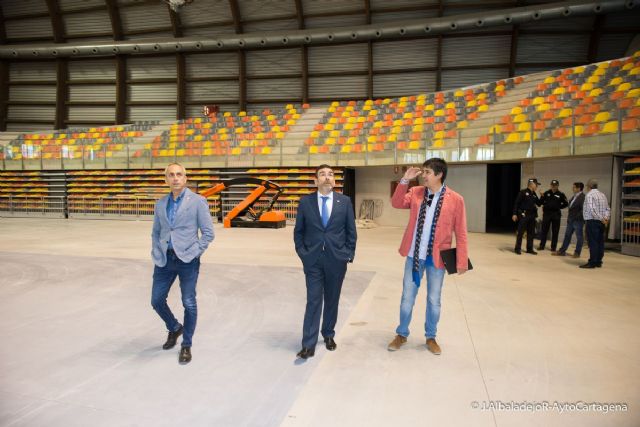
586, 87
330, 141
450, 105
559, 90
352, 140
579, 70
345, 149
483, 108
516, 110
397, 123
633, 93
414, 145
313, 149
430, 107
565, 112
361, 119
371, 138
495, 128
610, 127
417, 128
634, 71
627, 66
550, 80
266, 150
543, 107
593, 79
472, 103
438, 135
537, 100
334, 133
513, 137
482, 96
438, 143
439, 113
407, 116
524, 127
579, 129
280, 135
463, 124
519, 118
624, 87
419, 121
328, 126
595, 92
602, 117
599, 72
458, 93
615, 81
333, 120
349, 126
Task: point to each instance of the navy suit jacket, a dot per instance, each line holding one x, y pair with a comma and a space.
338, 240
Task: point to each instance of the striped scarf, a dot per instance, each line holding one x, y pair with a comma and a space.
426, 201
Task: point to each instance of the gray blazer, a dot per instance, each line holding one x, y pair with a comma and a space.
192, 216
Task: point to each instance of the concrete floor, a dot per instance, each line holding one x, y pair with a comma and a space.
82, 345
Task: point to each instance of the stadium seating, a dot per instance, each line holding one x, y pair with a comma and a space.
593, 100
236, 134
405, 123
94, 142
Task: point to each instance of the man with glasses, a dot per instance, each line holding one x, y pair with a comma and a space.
437, 213
325, 240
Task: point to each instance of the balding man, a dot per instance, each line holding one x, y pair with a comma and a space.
176, 250
596, 214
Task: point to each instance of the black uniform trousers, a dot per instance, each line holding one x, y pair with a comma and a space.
526, 223
550, 219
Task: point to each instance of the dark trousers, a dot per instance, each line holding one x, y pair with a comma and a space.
163, 278
577, 226
550, 219
526, 223
324, 282
595, 237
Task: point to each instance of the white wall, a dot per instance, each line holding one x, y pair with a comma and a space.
469, 180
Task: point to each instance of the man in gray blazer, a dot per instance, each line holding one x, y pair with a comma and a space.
176, 250
325, 240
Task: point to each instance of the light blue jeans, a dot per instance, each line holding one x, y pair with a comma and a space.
435, 278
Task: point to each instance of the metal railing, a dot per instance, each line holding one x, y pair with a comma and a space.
465, 146
30, 206
120, 208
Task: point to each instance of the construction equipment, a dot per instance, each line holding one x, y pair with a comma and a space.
243, 214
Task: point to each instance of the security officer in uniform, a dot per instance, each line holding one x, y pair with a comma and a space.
553, 200
525, 211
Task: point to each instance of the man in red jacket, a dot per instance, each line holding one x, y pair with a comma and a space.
436, 213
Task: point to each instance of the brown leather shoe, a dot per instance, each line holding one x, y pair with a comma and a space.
433, 346
558, 253
576, 255
397, 342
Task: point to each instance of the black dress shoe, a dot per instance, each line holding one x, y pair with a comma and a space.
518, 251
172, 339
185, 355
587, 265
532, 252
306, 353
330, 343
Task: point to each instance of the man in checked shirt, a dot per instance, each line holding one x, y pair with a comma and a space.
596, 214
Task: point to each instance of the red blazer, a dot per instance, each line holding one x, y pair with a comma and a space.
453, 219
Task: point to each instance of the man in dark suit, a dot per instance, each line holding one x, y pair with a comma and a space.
325, 240
575, 222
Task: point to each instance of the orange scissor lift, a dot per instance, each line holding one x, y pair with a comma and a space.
243, 214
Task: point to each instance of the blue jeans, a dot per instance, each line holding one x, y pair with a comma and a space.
163, 278
573, 225
435, 278
595, 237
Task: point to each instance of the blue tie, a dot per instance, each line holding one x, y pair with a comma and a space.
325, 211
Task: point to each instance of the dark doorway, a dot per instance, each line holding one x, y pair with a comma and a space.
503, 184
